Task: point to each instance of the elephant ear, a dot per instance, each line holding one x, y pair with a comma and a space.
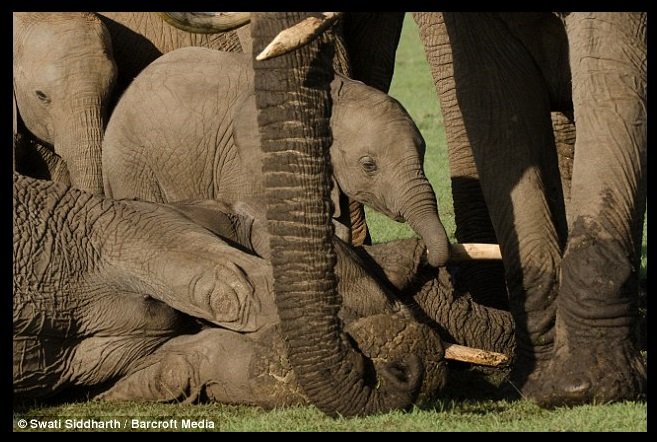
348, 217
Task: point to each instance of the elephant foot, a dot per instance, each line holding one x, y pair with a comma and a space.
586, 372
527, 378
595, 359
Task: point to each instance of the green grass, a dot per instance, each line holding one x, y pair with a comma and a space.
447, 415
472, 409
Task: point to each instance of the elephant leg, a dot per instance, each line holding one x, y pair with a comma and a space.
461, 320
210, 365
564, 138
484, 280
506, 112
595, 356
434, 299
371, 40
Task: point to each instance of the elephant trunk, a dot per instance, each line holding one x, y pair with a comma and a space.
293, 101
78, 141
463, 321
421, 212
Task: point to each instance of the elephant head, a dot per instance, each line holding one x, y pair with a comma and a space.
64, 73
377, 156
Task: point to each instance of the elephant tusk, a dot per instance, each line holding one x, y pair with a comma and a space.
455, 352
206, 22
474, 252
298, 35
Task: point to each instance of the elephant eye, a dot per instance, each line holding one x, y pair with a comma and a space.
42, 97
368, 164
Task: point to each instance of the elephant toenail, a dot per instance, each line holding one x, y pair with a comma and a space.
577, 387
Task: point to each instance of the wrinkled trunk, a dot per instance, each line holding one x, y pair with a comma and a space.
463, 321
484, 280
293, 101
421, 213
457, 316
78, 141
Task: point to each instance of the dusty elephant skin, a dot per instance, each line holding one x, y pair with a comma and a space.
93, 277
64, 73
591, 66
186, 129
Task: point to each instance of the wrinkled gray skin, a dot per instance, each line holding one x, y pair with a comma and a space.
139, 38
104, 307
64, 73
572, 262
186, 129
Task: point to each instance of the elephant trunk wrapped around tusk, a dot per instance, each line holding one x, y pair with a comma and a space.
474, 252
206, 22
298, 35
477, 356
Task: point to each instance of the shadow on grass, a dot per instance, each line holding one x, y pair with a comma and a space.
473, 388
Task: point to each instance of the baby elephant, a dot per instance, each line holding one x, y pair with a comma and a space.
186, 128
64, 74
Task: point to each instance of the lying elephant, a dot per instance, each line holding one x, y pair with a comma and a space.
186, 129
106, 296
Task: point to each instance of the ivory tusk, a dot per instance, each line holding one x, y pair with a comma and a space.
477, 356
474, 252
298, 35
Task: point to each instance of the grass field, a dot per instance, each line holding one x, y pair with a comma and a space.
474, 409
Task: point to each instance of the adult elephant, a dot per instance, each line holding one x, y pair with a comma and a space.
63, 75
572, 282
572, 279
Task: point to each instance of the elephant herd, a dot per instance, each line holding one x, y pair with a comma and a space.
189, 225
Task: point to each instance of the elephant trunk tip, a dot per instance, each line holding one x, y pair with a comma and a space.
437, 256
438, 250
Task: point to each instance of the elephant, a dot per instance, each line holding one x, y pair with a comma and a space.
558, 258
571, 279
140, 37
63, 75
186, 129
138, 301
